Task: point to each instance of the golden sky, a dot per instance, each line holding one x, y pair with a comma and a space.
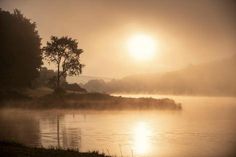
185, 31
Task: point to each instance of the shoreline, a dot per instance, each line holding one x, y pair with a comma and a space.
12, 149
92, 101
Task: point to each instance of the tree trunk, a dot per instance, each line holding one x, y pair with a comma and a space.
58, 75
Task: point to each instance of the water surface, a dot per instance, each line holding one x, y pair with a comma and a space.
205, 127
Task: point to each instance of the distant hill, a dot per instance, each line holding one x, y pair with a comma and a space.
85, 78
213, 78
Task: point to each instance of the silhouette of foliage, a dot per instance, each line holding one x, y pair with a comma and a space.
65, 53
12, 149
74, 87
20, 54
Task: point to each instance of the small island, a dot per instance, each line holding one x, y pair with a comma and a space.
89, 101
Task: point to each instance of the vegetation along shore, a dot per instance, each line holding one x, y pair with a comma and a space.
89, 101
12, 149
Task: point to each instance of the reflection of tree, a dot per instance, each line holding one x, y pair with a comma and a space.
71, 138
50, 130
55, 132
19, 126
58, 132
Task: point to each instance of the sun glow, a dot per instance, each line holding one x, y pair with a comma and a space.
141, 138
142, 47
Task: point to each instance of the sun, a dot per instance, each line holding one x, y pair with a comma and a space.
142, 47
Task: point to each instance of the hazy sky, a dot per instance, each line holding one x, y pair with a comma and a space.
186, 31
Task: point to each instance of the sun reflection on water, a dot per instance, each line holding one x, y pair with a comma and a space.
142, 134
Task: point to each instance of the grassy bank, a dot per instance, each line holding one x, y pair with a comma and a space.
90, 101
11, 149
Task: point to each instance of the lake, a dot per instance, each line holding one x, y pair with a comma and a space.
205, 127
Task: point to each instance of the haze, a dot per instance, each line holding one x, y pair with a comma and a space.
188, 32
159, 78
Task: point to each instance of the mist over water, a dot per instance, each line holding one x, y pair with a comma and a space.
62, 61
205, 127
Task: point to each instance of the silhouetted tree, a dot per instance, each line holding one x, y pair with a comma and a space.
20, 53
65, 53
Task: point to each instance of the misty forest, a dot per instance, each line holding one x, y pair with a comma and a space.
117, 78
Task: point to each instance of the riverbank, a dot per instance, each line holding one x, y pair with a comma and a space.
11, 149
91, 101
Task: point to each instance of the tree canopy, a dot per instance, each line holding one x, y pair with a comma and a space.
20, 53
64, 52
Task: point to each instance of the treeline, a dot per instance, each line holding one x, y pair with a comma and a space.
22, 55
48, 78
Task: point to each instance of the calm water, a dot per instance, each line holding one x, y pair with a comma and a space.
205, 127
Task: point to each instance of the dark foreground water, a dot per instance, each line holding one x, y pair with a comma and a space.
206, 127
